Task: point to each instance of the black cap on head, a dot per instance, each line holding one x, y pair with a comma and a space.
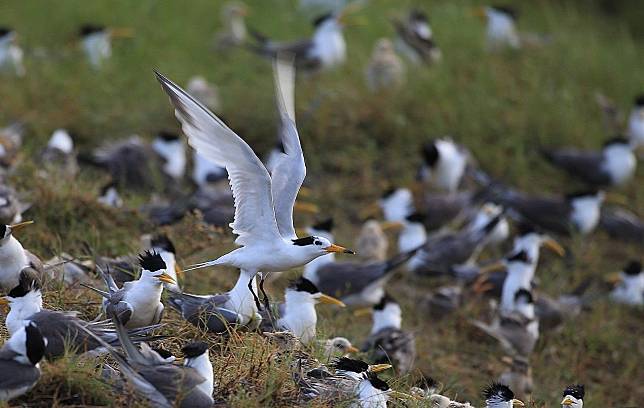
617, 140
633, 268
416, 217
418, 15
303, 241
194, 349
325, 225
498, 391
3, 230
578, 391
4, 30
388, 192
377, 383
521, 256
581, 194
151, 261
168, 136
430, 153
89, 29
27, 282
639, 100
508, 10
526, 228
106, 187
163, 242
383, 302
302, 284
349, 364
35, 343
523, 294
321, 19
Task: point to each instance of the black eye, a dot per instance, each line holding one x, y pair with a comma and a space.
338, 346
317, 243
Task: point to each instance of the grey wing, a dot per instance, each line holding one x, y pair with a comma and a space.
289, 171
622, 224
158, 315
344, 279
35, 263
441, 209
549, 312
581, 164
116, 306
172, 381
14, 375
549, 213
205, 312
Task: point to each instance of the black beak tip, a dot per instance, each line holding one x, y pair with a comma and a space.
348, 251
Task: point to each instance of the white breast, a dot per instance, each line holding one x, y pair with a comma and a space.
329, 45
636, 127
501, 30
619, 162
12, 260
585, 214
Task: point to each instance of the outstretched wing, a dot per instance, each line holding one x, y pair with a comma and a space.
249, 179
289, 171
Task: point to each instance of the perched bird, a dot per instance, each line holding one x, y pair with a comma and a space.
10, 143
138, 303
233, 33
324, 50
60, 328
14, 258
577, 212
500, 396
483, 216
96, 43
573, 396
372, 243
357, 284
388, 342
397, 204
216, 313
636, 123
518, 376
518, 331
20, 362
613, 166
10, 52
385, 71
162, 245
263, 201
109, 195
415, 39
444, 163
59, 154
622, 224
630, 288
337, 346
204, 92
165, 384
501, 31
520, 275
11, 207
297, 313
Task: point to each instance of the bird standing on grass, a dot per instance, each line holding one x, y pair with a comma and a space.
415, 39
233, 34
14, 258
630, 287
96, 43
263, 202
10, 53
385, 71
20, 361
444, 164
59, 154
636, 123
501, 30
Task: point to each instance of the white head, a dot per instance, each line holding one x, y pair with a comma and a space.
573, 396
315, 246
619, 160
153, 269
443, 163
170, 147
530, 240
61, 140
500, 396
413, 234
396, 204
586, 207
7, 36
197, 356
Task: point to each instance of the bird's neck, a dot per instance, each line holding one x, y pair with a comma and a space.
388, 318
299, 315
11, 251
311, 268
203, 366
412, 236
21, 309
370, 396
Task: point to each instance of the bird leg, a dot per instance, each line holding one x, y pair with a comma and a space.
255, 297
266, 300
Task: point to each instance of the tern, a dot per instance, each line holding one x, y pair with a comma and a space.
109, 195
385, 71
96, 43
500, 396
11, 207
10, 52
444, 163
636, 123
387, 342
162, 245
573, 396
165, 384
60, 328
59, 154
630, 288
501, 30
14, 258
518, 376
337, 346
20, 361
614, 165
372, 243
263, 201
234, 32
10, 141
216, 313
415, 39
138, 303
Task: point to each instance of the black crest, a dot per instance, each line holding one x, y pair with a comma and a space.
377, 383
526, 228
578, 391
388, 193
430, 153
325, 225
163, 242
524, 293
3, 228
498, 391
521, 256
349, 364
162, 352
35, 344
302, 284
510, 11
151, 261
633, 268
168, 136
582, 194
28, 282
321, 19
303, 241
89, 29
4, 31
617, 140
416, 217
639, 100
194, 349
383, 302
418, 15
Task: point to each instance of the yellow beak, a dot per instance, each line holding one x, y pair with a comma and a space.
338, 248
20, 225
554, 246
376, 368
352, 349
362, 312
517, 403
306, 207
494, 267
330, 300
567, 401
165, 278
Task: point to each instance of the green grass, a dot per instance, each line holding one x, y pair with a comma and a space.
503, 107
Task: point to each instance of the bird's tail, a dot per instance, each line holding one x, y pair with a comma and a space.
202, 265
399, 259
